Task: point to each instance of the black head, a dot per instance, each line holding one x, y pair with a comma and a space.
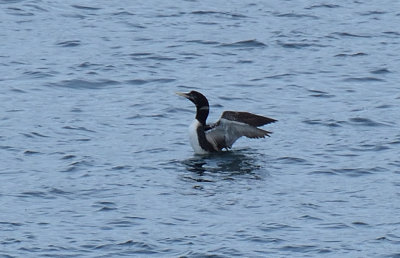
196, 97
201, 103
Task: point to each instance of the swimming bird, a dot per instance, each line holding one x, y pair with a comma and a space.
208, 138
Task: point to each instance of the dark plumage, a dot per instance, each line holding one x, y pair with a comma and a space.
221, 135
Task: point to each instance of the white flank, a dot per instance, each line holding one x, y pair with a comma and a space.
194, 140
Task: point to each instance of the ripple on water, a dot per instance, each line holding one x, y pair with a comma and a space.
85, 7
381, 71
328, 6
370, 147
295, 15
245, 44
31, 152
203, 42
134, 247
363, 79
219, 14
69, 43
298, 45
105, 206
18, 11
146, 81
347, 34
292, 160
328, 123
361, 121
84, 84
320, 94
350, 172
300, 248
80, 165
358, 54
224, 165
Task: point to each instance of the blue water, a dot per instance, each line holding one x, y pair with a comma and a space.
95, 160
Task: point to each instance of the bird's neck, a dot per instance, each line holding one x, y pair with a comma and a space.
202, 114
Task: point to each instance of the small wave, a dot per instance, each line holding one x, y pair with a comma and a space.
372, 13
149, 56
80, 128
70, 156
203, 42
360, 121
381, 71
121, 224
352, 172
10, 1
87, 65
392, 33
83, 84
14, 224
107, 209
298, 45
397, 141
363, 79
136, 82
75, 166
123, 13
69, 43
244, 62
8, 148
328, 123
346, 34
39, 194
329, 6
57, 191
83, 7
292, 160
384, 106
165, 15
360, 224
17, 91
310, 218
245, 44
295, 15
39, 74
39, 135
18, 12
299, 248
351, 55
161, 58
232, 15
279, 76
276, 227
320, 94
373, 148
121, 167
334, 225
142, 81
323, 172
30, 152
140, 54
34, 134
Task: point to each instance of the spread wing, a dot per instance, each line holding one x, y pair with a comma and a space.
233, 125
247, 118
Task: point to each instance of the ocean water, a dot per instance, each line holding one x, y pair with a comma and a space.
94, 155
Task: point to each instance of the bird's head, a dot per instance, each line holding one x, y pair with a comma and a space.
196, 97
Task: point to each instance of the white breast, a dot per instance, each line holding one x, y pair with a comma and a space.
194, 140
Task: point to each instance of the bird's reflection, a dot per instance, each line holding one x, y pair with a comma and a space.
226, 164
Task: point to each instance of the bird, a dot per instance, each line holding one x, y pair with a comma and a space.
211, 138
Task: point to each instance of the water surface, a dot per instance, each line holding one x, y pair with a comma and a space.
95, 160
